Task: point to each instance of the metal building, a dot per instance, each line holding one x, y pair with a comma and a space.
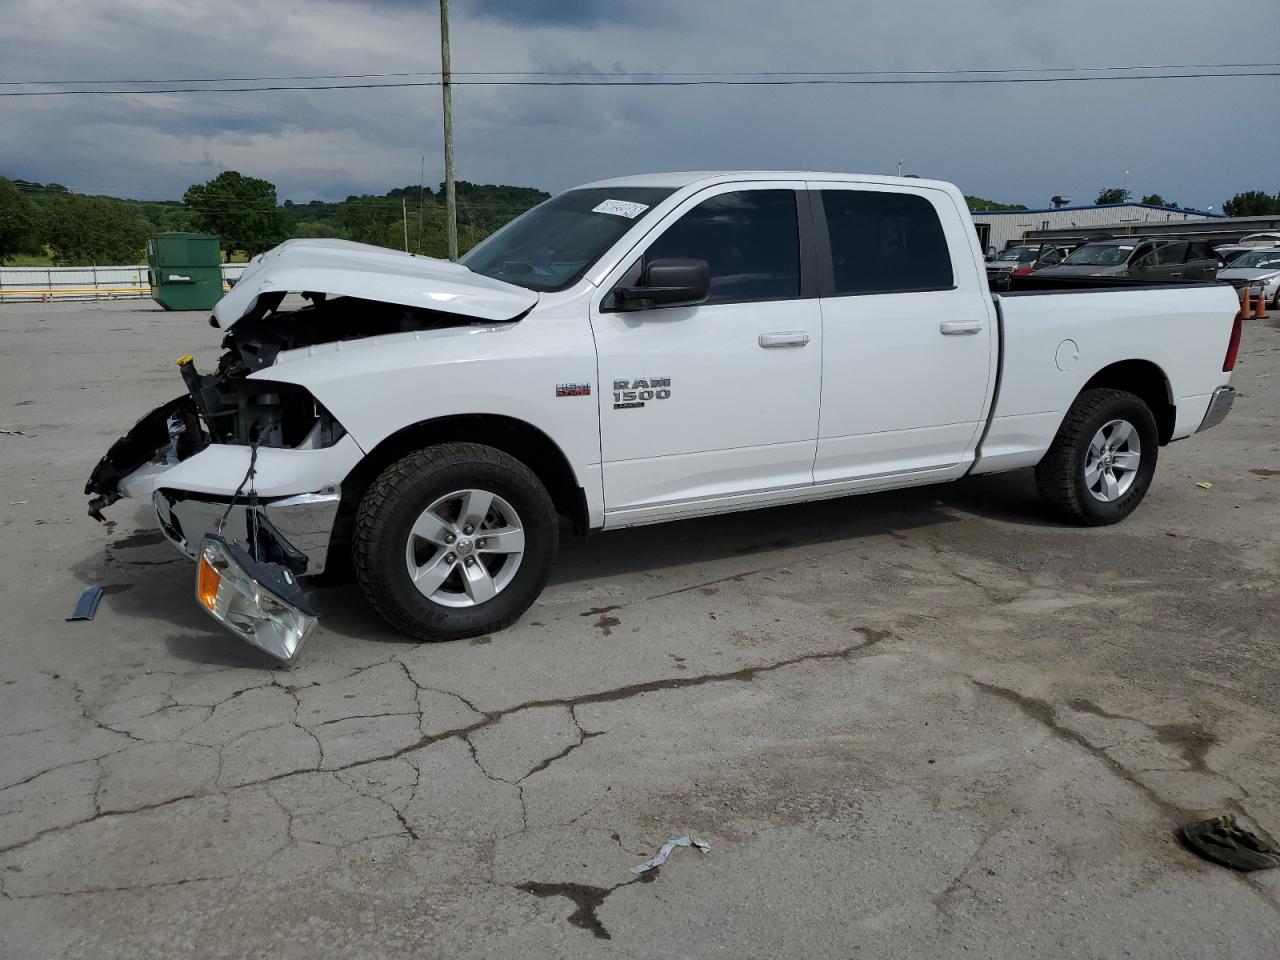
999, 228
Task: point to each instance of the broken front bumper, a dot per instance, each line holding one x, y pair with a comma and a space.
305, 521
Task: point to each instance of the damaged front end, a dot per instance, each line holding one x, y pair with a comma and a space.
245, 472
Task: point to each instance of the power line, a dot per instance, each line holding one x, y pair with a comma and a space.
663, 73
806, 82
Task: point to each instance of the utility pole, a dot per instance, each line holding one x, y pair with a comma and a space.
450, 197
404, 218
900, 162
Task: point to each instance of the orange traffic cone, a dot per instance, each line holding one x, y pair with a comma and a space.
1260, 308
1246, 307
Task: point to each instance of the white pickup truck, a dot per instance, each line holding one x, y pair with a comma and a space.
633, 351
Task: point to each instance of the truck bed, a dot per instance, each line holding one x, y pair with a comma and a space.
1052, 347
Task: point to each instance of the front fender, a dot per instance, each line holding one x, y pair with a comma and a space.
379, 386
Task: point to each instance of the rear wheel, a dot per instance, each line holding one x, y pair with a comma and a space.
1103, 458
453, 541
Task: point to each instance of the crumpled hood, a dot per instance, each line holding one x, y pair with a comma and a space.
342, 268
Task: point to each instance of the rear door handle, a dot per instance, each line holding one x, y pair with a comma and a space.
796, 338
1176, 275
956, 328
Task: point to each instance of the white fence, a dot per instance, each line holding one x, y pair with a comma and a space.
25, 284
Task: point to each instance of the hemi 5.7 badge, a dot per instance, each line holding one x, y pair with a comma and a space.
573, 389
629, 394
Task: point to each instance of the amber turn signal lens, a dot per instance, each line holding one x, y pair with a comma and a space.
207, 582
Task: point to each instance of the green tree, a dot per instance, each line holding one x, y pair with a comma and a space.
19, 225
1112, 195
83, 230
977, 204
241, 210
312, 229
366, 219
1252, 203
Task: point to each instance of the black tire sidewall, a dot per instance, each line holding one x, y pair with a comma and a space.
386, 538
1133, 410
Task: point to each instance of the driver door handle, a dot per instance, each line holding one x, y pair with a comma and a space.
797, 338
956, 328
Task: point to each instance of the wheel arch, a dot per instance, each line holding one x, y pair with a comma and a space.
518, 438
1145, 380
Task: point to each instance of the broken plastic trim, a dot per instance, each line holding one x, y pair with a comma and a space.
87, 605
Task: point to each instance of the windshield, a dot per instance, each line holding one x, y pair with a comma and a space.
1099, 255
1257, 260
551, 246
1020, 254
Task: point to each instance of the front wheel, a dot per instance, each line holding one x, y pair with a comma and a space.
1101, 462
453, 541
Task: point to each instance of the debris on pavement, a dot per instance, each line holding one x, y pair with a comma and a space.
665, 852
87, 605
1225, 842
1205, 485
17, 433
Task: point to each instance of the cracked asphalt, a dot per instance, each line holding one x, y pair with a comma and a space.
931, 723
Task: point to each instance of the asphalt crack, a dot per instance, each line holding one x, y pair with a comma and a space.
583, 737
1045, 714
1194, 743
872, 638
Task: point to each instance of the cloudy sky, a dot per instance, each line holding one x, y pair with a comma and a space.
1194, 141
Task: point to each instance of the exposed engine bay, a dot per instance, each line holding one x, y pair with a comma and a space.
227, 406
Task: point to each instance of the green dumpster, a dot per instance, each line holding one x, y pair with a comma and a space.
185, 270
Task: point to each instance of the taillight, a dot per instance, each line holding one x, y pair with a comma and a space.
1023, 271
1233, 346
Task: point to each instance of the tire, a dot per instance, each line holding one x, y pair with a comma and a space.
1064, 476
398, 524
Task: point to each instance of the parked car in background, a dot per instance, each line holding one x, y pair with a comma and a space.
1260, 241
1024, 258
1170, 259
1257, 270
1229, 251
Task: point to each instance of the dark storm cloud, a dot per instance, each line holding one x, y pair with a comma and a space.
569, 13
1016, 143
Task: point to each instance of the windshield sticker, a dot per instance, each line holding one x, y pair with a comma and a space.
621, 208
1123, 247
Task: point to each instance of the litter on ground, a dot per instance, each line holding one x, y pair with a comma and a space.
1225, 842
661, 857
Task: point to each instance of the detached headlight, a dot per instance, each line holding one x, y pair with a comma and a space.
258, 601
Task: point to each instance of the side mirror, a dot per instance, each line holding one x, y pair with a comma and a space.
668, 283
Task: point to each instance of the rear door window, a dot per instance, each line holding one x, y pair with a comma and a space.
750, 240
885, 243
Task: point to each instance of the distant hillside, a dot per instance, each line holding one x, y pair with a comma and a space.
43, 223
977, 203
